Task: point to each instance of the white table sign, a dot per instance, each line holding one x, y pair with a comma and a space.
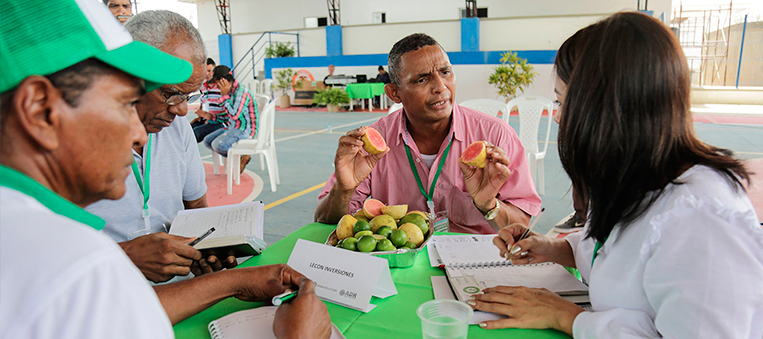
343, 277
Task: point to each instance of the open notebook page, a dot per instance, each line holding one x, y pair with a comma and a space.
256, 323
466, 249
231, 220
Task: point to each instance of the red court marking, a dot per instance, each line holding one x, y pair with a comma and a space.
217, 187
755, 189
729, 119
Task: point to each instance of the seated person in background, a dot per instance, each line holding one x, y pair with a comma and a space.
383, 76
175, 178
210, 96
331, 72
672, 247
431, 132
240, 111
67, 128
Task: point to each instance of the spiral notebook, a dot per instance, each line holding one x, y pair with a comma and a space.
256, 323
472, 263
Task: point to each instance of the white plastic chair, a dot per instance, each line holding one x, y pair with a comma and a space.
262, 100
266, 87
396, 106
254, 86
488, 106
263, 144
530, 113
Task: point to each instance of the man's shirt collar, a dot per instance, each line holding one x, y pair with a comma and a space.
18, 181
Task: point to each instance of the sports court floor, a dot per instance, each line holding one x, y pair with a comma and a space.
306, 142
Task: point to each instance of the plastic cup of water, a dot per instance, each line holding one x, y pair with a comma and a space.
442, 319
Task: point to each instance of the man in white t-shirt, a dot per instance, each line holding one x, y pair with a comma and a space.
67, 123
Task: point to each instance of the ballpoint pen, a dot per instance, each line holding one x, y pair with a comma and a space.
201, 237
283, 297
514, 248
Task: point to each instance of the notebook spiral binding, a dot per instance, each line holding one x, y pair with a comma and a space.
213, 331
488, 264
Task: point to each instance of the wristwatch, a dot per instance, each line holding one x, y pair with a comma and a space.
491, 214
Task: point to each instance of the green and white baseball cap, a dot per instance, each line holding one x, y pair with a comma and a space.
41, 37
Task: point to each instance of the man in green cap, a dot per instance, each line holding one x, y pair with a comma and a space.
67, 124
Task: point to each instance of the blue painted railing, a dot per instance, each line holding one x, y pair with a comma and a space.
247, 65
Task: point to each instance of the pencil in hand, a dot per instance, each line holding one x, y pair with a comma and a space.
516, 249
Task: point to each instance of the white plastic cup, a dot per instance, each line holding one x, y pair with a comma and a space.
205, 106
445, 319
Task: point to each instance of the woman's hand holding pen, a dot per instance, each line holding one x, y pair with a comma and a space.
528, 307
534, 248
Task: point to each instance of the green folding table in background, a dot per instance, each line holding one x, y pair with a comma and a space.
366, 91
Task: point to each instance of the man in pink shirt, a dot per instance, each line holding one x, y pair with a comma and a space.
431, 132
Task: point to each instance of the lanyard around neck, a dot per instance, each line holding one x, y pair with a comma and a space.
429, 195
596, 250
144, 182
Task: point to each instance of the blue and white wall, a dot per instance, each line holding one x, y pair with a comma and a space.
533, 28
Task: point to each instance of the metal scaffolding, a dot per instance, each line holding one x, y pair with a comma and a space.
334, 12
223, 15
704, 36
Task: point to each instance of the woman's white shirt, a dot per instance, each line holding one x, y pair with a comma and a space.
690, 267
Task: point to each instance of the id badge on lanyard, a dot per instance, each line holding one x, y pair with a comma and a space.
143, 183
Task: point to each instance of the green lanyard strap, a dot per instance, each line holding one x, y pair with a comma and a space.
143, 184
437, 174
596, 250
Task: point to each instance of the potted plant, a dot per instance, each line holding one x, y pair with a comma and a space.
513, 74
283, 84
279, 50
331, 97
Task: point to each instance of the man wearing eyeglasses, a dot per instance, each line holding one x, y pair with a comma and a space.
122, 9
167, 174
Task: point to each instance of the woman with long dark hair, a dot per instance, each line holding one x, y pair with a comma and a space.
672, 247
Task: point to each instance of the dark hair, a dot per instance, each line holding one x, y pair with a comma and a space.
381, 68
210, 61
626, 131
410, 43
71, 81
221, 72
568, 54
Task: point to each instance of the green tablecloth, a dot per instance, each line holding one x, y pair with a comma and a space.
394, 316
365, 91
